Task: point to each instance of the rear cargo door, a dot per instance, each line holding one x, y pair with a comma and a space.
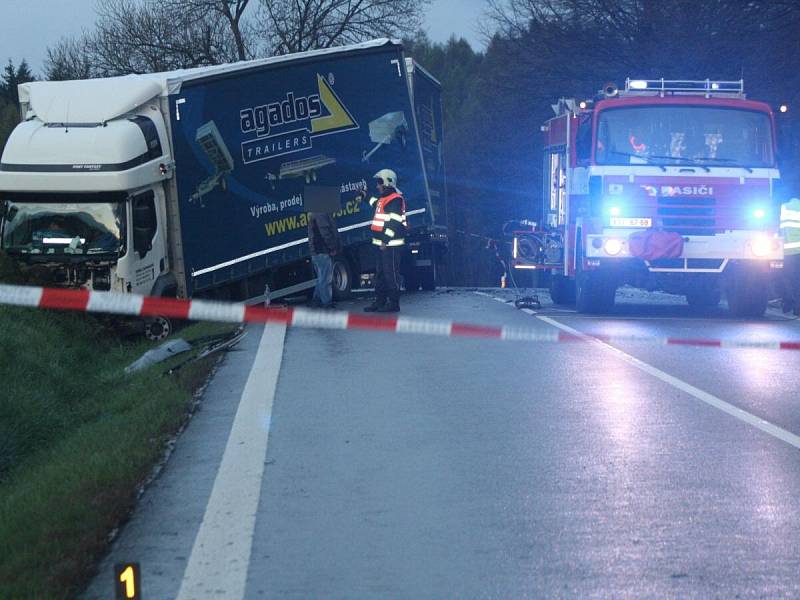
428, 111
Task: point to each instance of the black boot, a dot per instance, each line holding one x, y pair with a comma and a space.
375, 306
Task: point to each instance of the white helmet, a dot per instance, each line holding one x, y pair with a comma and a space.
388, 177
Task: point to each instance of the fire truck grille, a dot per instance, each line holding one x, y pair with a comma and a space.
689, 263
688, 216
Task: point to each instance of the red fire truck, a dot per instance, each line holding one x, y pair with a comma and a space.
663, 185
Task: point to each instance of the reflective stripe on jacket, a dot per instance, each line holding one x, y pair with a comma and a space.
790, 226
388, 225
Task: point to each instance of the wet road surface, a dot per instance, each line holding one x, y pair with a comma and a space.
401, 466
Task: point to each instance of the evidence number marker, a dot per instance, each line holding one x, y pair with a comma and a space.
127, 581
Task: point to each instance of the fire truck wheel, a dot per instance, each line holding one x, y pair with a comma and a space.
593, 292
747, 293
562, 290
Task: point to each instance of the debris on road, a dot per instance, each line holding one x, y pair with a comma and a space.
163, 352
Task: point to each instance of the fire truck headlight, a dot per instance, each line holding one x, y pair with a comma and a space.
612, 246
614, 211
760, 246
759, 213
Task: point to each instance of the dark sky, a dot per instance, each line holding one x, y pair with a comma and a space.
29, 26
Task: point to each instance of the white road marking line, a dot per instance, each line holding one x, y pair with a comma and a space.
742, 415
220, 556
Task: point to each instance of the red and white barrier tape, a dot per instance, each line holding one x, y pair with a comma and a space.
205, 310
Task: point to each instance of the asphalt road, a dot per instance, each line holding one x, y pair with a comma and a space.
399, 466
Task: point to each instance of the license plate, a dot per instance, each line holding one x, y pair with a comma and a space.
631, 222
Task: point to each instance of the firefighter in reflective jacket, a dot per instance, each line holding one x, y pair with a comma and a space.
790, 228
388, 234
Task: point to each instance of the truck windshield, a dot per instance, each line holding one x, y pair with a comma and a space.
690, 135
64, 224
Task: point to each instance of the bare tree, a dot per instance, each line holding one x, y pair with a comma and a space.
299, 25
232, 12
138, 37
70, 58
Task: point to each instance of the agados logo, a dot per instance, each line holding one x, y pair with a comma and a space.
324, 110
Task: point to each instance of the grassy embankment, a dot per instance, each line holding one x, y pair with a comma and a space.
77, 439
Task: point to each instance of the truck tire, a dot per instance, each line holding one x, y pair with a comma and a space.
427, 278
342, 279
747, 292
410, 281
562, 290
593, 292
157, 328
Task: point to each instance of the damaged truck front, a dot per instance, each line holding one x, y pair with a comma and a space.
81, 186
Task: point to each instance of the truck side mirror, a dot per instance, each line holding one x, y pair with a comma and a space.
583, 140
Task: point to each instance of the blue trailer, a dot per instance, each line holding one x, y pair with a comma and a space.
197, 179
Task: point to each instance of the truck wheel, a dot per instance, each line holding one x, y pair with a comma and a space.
747, 293
562, 290
342, 279
593, 293
410, 281
157, 328
704, 297
427, 278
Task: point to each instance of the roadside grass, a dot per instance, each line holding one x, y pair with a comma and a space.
77, 439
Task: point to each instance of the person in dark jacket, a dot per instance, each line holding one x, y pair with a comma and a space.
324, 244
388, 230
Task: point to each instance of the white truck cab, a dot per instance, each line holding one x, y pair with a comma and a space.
82, 183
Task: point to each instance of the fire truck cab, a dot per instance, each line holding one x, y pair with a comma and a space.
663, 185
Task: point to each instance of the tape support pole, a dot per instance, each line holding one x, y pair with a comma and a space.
228, 312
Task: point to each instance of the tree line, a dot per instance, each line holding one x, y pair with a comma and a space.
495, 100
541, 50
9, 100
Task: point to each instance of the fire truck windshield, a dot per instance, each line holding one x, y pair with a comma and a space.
690, 135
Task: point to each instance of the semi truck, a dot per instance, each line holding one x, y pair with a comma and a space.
664, 185
193, 183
